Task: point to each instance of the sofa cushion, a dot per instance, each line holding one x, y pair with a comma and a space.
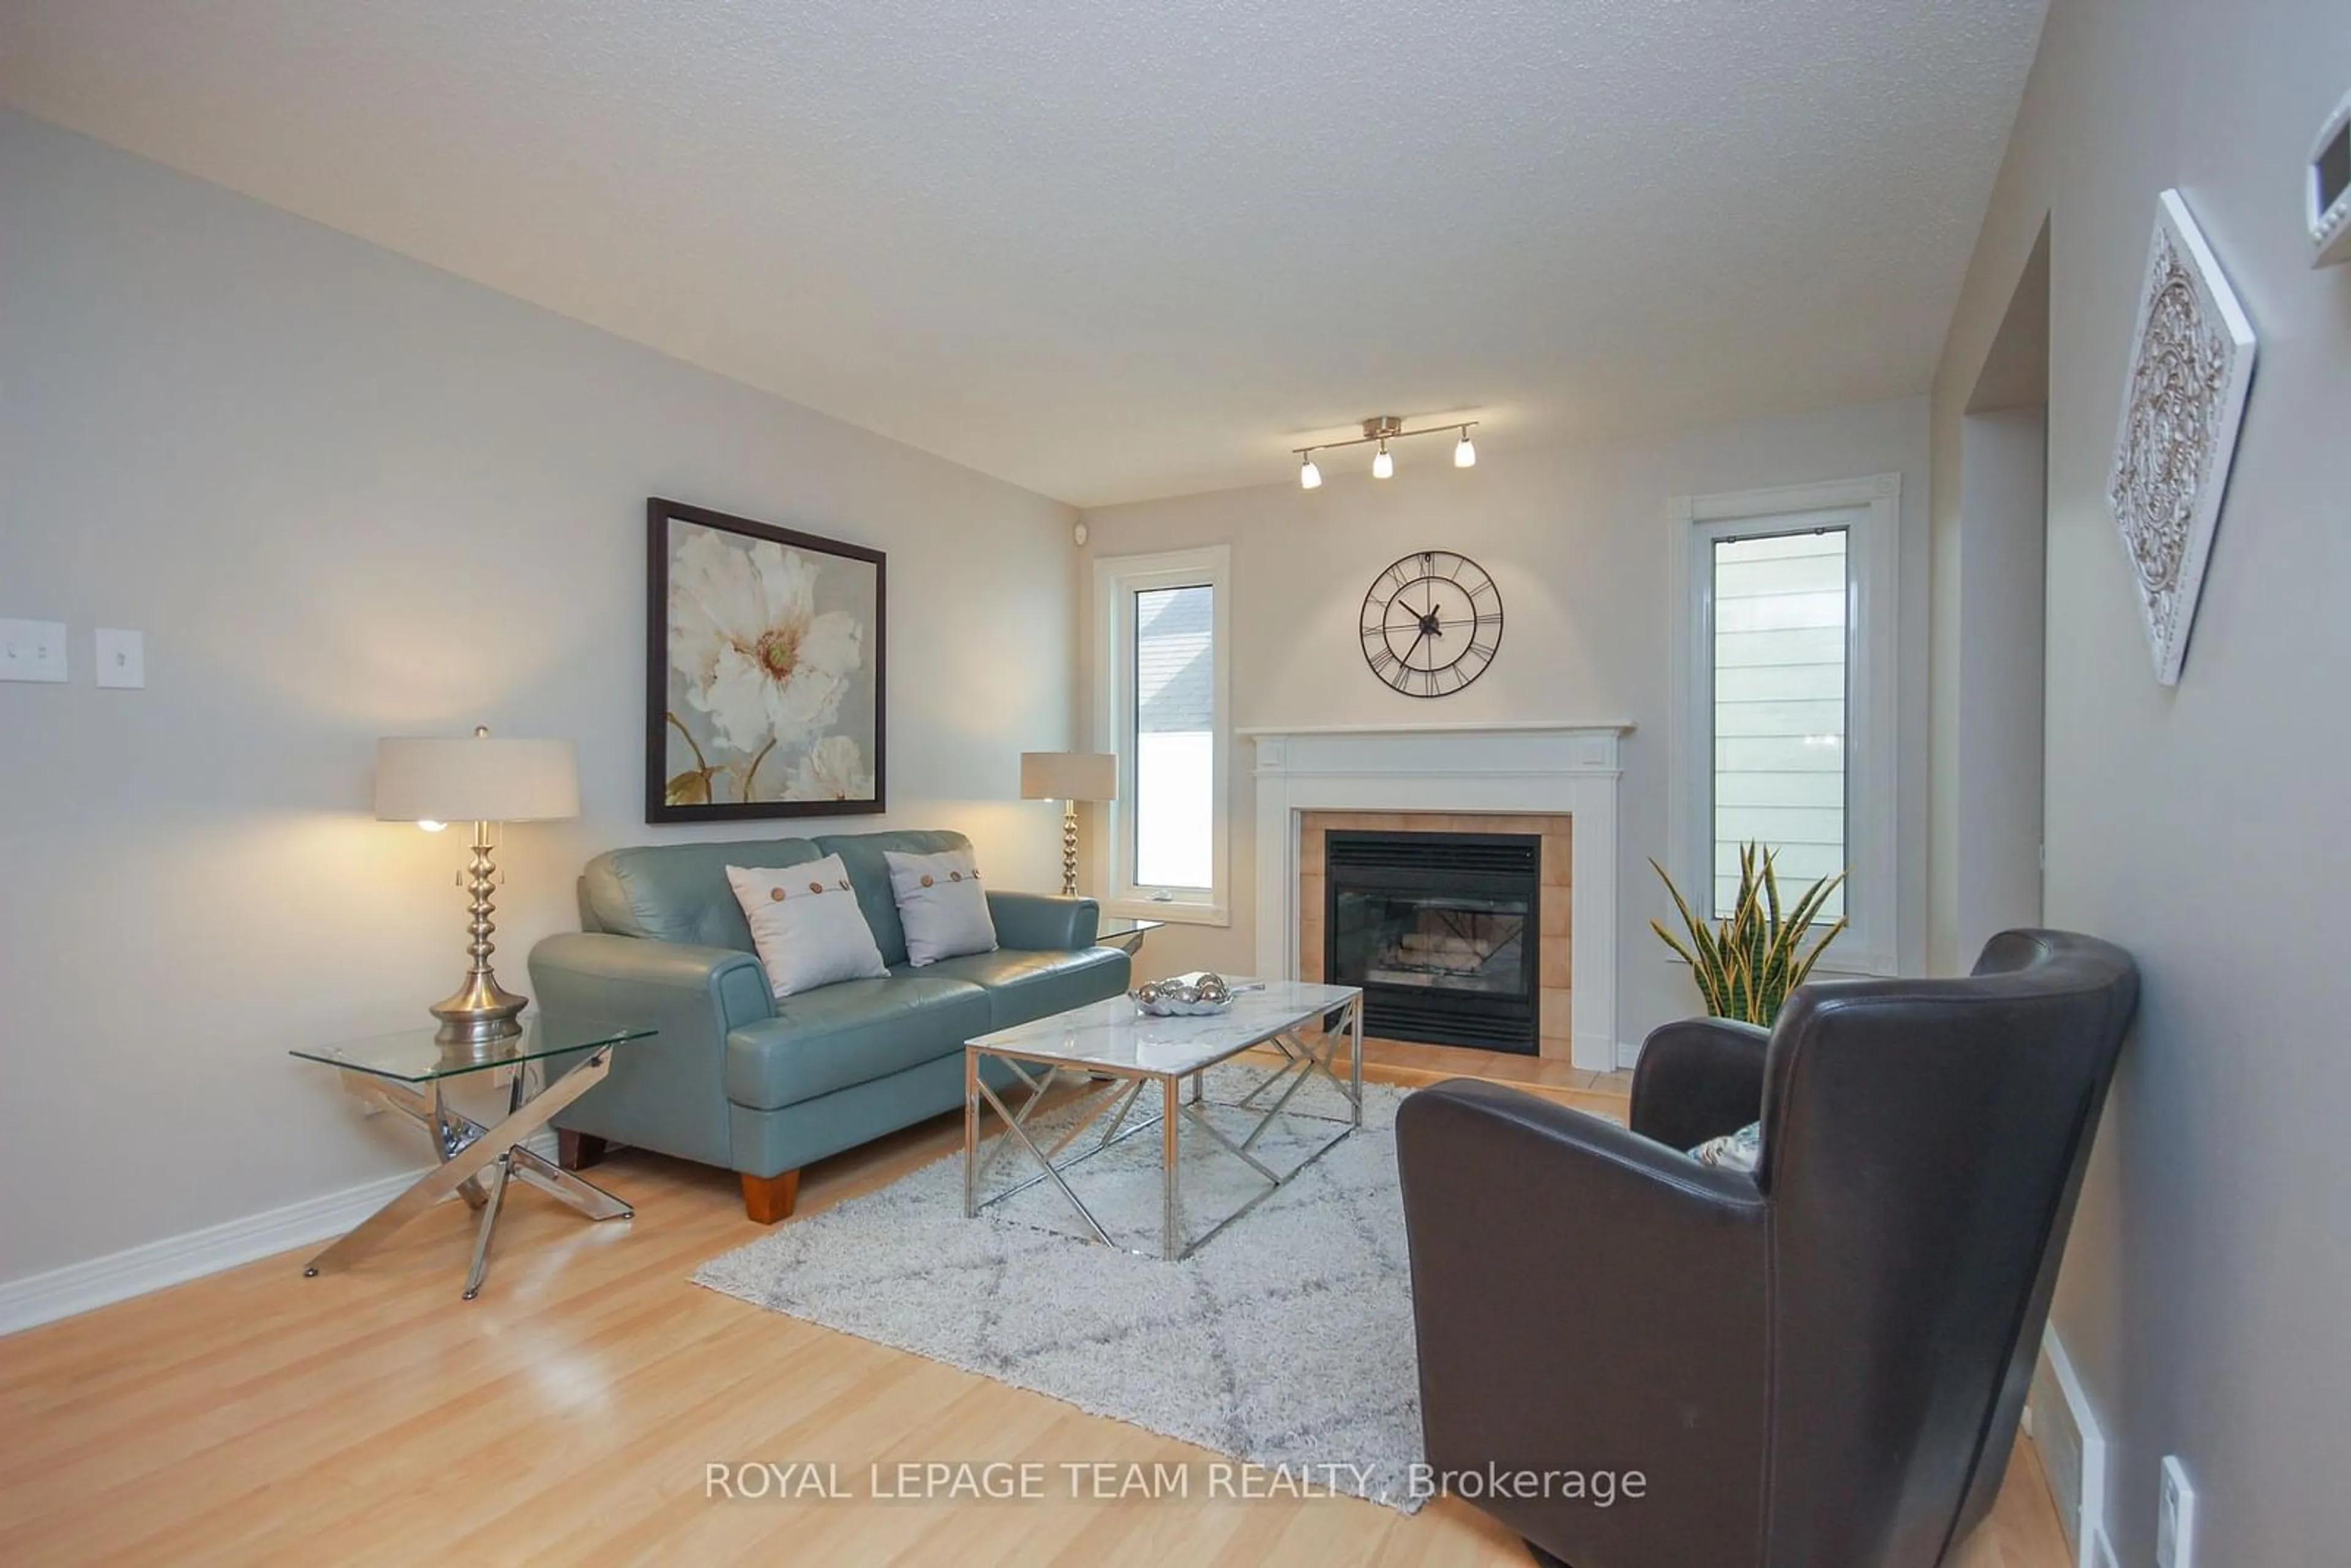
1022, 986
836, 1036
862, 853
679, 892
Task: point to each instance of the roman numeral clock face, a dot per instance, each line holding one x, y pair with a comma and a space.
1432, 623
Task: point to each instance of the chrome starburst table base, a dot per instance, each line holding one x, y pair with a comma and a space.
410, 1074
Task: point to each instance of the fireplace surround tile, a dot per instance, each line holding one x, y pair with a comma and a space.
1558, 1013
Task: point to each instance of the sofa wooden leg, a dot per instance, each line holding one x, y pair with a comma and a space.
576, 1151
769, 1198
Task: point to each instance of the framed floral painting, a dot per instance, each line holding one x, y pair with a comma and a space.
763, 670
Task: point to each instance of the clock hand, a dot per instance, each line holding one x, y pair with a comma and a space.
1416, 642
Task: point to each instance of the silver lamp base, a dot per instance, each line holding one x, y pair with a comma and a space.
482, 1013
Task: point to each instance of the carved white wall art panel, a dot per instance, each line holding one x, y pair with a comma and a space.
2192, 361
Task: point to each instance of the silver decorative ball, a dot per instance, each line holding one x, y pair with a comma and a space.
1175, 998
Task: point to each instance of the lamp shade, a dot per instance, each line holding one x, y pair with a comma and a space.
475, 778
1069, 776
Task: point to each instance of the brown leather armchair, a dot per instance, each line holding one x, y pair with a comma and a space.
1818, 1366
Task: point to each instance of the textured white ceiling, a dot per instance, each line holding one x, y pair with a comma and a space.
1111, 251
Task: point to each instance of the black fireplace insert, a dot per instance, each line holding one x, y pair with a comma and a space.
1442, 931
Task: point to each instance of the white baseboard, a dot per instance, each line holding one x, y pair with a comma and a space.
2072, 1435
101, 1282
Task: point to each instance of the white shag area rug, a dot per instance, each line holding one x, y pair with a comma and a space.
1286, 1339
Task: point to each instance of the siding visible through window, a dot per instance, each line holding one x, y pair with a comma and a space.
1175, 737
1779, 682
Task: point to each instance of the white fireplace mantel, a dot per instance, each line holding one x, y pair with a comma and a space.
1461, 768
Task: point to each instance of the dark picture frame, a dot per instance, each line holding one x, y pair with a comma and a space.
752, 710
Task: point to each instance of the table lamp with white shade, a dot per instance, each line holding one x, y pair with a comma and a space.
1069, 776
434, 780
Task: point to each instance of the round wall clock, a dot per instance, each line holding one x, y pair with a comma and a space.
1432, 623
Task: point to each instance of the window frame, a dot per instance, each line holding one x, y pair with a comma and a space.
1872, 944
1117, 580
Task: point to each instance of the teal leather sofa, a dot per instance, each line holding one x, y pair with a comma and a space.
760, 1086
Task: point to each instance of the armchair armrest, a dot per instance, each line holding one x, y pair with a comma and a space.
1698, 1079
1039, 923
1587, 1299
666, 1094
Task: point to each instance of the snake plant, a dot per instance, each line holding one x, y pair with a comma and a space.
1745, 966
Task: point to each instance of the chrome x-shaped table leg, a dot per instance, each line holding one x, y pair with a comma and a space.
466, 1151
1309, 1061
1114, 1094
557, 1183
1015, 1127
448, 1129
451, 1130
1299, 1063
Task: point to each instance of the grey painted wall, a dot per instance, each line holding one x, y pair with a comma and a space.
2004, 547
2203, 1300
345, 495
1576, 537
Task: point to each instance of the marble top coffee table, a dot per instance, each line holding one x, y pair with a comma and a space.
1121, 1053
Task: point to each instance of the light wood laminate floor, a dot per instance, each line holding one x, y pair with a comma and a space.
569, 1415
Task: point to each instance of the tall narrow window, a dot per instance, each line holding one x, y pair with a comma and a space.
1781, 631
1785, 676
1163, 651
1175, 737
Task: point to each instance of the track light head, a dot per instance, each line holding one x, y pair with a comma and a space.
1310, 477
1383, 465
1465, 454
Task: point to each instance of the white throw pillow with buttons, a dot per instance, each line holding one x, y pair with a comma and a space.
806, 925
942, 905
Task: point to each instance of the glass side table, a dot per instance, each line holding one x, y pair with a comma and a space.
1125, 934
410, 1072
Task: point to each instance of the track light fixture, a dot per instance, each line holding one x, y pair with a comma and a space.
1383, 429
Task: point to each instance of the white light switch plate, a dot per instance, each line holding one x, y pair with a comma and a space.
121, 659
32, 651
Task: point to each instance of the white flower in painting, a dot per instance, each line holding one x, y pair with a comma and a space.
756, 655
835, 769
